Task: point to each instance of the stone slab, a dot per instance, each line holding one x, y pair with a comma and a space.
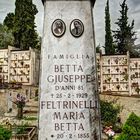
69, 100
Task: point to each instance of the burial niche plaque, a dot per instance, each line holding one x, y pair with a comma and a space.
69, 107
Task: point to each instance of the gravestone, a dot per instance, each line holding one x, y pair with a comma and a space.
69, 106
9, 102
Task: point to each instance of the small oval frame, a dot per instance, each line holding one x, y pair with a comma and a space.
58, 28
75, 32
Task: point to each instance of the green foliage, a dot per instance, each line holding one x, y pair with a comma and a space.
124, 35
109, 47
5, 134
98, 49
131, 129
126, 76
30, 118
6, 37
9, 21
21, 129
22, 24
109, 113
137, 90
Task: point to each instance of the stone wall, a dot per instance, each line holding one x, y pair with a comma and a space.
3, 102
118, 74
129, 104
28, 92
19, 66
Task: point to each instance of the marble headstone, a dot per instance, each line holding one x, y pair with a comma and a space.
69, 104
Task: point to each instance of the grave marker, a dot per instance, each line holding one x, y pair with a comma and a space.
69, 99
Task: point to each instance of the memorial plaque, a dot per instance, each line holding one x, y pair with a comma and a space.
69, 108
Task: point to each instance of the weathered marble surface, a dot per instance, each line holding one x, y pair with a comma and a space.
74, 62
